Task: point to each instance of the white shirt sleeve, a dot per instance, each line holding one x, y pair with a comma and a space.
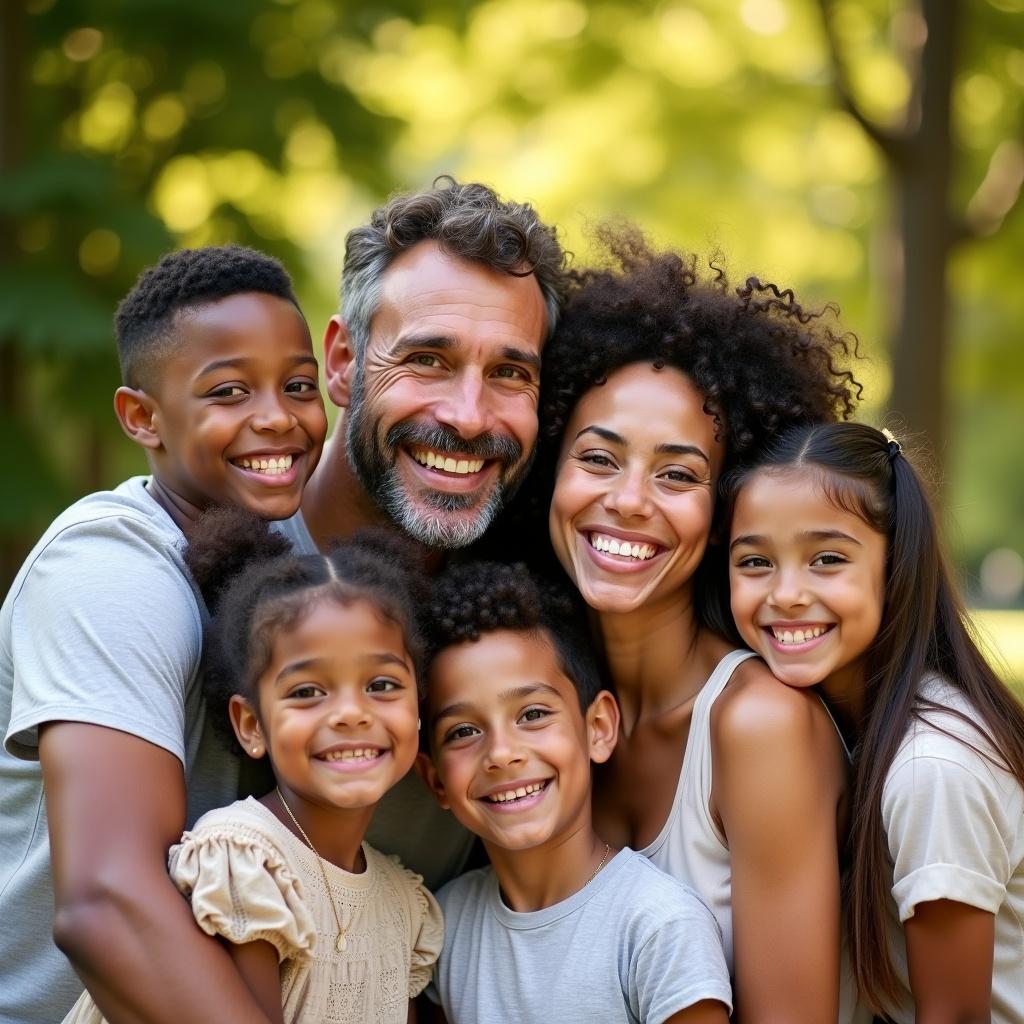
946, 819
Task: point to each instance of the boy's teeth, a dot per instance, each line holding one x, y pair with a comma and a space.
797, 636
516, 794
641, 552
271, 466
436, 460
361, 753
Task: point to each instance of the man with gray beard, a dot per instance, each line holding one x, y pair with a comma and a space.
448, 296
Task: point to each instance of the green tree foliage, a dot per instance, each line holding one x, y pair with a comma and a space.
128, 128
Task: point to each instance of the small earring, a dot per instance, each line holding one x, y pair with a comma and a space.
256, 750
419, 723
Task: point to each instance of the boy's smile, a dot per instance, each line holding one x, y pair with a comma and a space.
511, 747
237, 415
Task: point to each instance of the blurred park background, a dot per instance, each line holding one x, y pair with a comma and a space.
864, 152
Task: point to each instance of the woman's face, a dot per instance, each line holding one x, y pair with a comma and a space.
634, 491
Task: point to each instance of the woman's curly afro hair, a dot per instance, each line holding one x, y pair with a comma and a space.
762, 361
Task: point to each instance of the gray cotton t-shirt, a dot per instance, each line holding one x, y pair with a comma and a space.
633, 945
408, 821
102, 626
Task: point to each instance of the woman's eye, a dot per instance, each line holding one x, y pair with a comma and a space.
534, 714
228, 391
382, 685
679, 476
597, 459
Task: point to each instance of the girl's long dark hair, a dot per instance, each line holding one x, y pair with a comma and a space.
925, 632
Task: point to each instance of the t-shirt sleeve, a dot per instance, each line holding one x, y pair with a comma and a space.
680, 964
947, 831
106, 630
242, 889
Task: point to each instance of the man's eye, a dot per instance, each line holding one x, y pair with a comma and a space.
425, 359
513, 373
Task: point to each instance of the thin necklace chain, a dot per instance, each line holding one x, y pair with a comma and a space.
340, 943
607, 850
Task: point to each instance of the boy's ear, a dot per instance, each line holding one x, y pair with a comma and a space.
339, 361
137, 413
246, 726
602, 726
428, 773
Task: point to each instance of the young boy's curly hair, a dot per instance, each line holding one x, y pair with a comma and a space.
185, 279
470, 600
763, 361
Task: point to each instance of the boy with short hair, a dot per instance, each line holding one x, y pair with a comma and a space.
100, 641
560, 927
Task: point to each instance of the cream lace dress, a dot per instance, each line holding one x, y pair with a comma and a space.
249, 878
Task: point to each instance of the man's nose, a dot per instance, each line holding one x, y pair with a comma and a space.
464, 407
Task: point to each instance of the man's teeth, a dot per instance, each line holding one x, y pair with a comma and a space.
516, 794
360, 754
437, 460
269, 466
797, 636
641, 552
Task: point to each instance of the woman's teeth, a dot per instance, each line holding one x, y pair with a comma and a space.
515, 794
269, 466
798, 636
438, 460
361, 754
641, 552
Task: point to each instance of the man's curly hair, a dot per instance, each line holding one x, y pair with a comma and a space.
763, 362
185, 279
470, 600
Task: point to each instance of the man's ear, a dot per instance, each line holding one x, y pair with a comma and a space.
428, 773
138, 415
246, 726
602, 726
339, 361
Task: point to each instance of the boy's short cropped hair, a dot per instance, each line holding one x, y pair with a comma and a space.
483, 597
186, 278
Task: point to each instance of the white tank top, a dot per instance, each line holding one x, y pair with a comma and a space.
690, 847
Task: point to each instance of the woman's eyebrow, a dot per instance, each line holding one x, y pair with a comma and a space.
606, 435
681, 449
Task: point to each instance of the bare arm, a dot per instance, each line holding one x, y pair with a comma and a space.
778, 780
707, 1011
115, 804
949, 955
258, 965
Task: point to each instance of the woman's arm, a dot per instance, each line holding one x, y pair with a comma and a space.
778, 780
949, 955
115, 803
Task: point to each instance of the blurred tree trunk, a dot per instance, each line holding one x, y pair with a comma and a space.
920, 155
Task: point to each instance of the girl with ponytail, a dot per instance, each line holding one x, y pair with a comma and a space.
310, 661
839, 582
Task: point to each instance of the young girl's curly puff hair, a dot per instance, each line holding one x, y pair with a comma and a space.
255, 585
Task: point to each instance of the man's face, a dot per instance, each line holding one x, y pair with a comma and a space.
442, 416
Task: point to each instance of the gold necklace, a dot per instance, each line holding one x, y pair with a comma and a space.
342, 943
607, 850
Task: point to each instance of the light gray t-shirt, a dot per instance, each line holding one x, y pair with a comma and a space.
633, 945
102, 625
408, 821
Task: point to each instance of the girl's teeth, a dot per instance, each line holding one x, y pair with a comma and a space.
362, 753
623, 548
797, 636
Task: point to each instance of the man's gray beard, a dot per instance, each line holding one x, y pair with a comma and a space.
436, 527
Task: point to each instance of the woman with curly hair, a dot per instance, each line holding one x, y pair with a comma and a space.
657, 381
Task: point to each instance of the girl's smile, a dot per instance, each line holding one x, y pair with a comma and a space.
807, 580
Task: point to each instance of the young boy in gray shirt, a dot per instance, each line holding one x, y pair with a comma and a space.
560, 926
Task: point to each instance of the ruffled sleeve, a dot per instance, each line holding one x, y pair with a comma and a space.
242, 888
426, 933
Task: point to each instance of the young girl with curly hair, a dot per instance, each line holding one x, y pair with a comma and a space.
839, 582
310, 661
657, 381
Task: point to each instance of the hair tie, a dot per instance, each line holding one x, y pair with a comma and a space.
894, 447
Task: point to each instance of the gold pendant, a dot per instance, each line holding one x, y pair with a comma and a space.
342, 944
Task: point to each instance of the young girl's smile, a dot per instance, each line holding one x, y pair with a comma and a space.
338, 707
631, 510
806, 578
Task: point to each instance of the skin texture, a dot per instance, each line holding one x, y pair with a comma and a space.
241, 383
502, 715
798, 561
118, 916
640, 462
453, 346
338, 679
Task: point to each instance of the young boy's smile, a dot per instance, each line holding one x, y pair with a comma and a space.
237, 416
511, 747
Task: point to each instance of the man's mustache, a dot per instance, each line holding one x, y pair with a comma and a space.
440, 439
